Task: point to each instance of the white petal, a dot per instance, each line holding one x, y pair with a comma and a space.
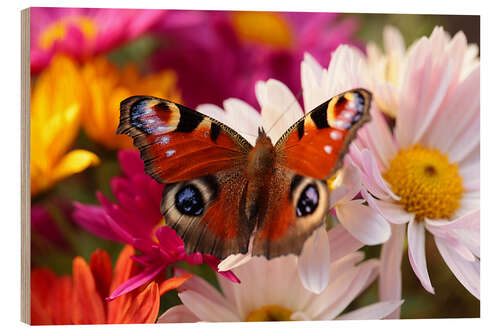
314, 262
280, 109
202, 288
357, 285
393, 212
214, 111
390, 267
300, 316
243, 118
416, 253
178, 314
467, 272
349, 181
363, 222
233, 261
207, 309
377, 137
341, 242
335, 290
374, 311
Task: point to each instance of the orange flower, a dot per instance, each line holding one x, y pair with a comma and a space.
80, 299
107, 86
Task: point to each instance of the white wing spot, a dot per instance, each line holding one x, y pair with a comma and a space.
328, 149
340, 124
170, 152
347, 114
335, 135
163, 140
161, 129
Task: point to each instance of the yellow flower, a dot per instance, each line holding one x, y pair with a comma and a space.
55, 119
107, 86
263, 27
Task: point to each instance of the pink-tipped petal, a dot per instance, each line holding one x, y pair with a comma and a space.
393, 212
416, 253
363, 222
314, 262
378, 310
390, 268
342, 242
467, 272
178, 314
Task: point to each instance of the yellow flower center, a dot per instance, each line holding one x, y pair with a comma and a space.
270, 313
57, 30
428, 184
263, 27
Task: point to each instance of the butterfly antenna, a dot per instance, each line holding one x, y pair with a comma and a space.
288, 108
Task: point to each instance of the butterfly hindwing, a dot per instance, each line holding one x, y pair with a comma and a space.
202, 161
297, 207
316, 144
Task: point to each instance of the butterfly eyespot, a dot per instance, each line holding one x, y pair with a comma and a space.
170, 152
189, 201
163, 140
328, 149
308, 201
206, 134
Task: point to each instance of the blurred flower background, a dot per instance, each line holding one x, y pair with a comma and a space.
84, 62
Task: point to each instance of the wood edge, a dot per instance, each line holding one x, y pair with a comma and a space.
25, 166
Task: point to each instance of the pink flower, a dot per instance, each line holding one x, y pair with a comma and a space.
431, 162
271, 290
228, 52
44, 225
425, 175
84, 32
136, 219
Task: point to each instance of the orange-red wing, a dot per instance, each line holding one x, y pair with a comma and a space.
177, 143
316, 144
287, 222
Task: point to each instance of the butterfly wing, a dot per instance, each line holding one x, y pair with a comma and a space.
177, 143
310, 152
316, 144
202, 161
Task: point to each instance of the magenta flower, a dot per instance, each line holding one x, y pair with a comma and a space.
44, 225
225, 53
136, 219
84, 32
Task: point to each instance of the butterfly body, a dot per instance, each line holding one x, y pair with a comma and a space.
221, 191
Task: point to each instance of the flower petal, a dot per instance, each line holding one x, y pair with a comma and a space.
467, 272
144, 306
280, 109
389, 285
341, 242
314, 262
233, 261
174, 282
374, 311
355, 287
416, 253
178, 314
207, 309
88, 306
393, 212
74, 162
363, 222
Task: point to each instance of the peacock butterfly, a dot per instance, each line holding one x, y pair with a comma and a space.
221, 191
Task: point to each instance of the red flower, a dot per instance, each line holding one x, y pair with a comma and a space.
80, 299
